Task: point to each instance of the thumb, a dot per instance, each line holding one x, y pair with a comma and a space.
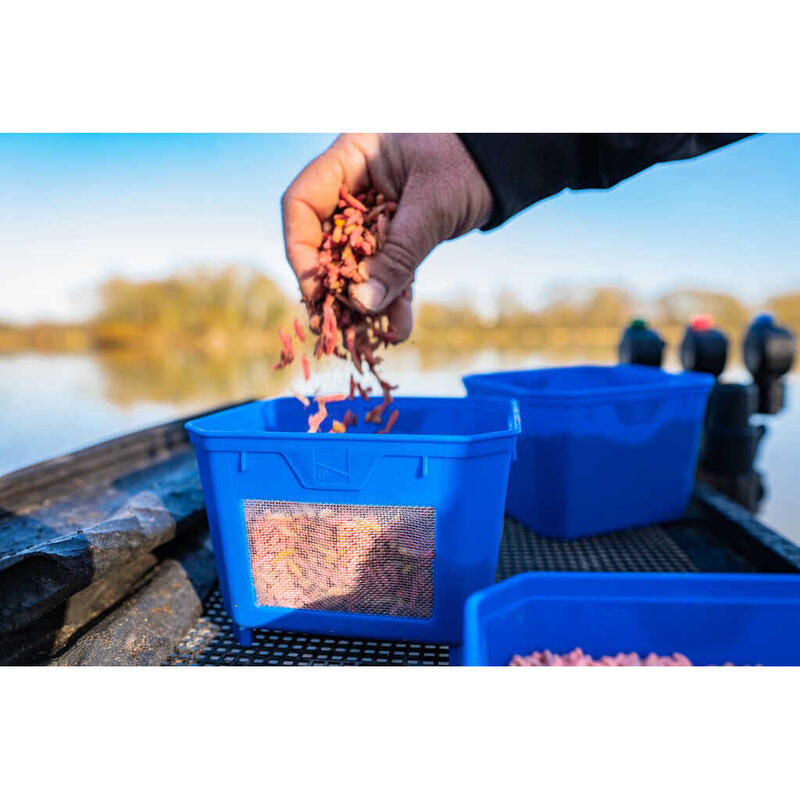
410, 237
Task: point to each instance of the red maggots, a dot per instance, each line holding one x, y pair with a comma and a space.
287, 351
390, 422
327, 338
348, 560
387, 392
349, 236
577, 658
354, 202
375, 414
356, 230
363, 391
303, 400
315, 420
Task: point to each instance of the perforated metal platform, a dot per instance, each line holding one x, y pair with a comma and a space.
687, 546
649, 549
211, 643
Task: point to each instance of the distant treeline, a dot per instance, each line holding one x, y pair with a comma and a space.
208, 310
233, 310
594, 318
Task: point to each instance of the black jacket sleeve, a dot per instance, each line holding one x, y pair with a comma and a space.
523, 168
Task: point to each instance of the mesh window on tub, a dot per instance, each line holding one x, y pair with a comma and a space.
351, 558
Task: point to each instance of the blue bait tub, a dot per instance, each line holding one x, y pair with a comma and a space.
602, 448
356, 534
713, 619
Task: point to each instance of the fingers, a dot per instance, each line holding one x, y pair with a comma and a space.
385, 165
412, 234
343, 163
313, 196
302, 235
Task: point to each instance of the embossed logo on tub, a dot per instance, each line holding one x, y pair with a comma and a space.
331, 467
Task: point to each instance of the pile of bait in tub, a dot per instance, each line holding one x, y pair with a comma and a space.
577, 658
358, 559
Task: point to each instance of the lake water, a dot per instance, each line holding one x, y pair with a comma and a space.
53, 404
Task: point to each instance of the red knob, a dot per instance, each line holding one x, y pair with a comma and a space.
702, 322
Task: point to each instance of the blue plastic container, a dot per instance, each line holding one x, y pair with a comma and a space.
712, 619
602, 448
356, 534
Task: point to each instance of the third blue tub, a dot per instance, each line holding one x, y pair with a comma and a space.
713, 619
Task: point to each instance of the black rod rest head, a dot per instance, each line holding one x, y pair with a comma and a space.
704, 349
641, 345
769, 352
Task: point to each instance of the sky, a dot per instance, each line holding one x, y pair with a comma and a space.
76, 209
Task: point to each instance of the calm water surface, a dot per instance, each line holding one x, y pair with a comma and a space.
51, 405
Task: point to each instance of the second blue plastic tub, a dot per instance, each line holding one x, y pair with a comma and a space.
356, 534
602, 448
713, 619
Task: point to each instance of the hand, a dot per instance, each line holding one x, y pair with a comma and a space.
440, 194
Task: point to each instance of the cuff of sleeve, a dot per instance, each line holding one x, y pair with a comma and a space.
477, 145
